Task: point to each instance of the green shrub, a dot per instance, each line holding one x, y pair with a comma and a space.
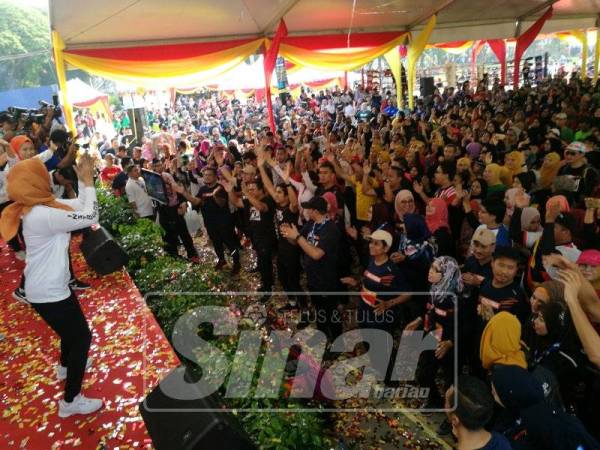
114, 211
142, 241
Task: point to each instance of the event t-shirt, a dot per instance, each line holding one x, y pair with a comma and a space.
375, 285
47, 234
261, 223
322, 273
212, 213
497, 442
509, 298
281, 216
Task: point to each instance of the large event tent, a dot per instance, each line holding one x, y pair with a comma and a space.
150, 42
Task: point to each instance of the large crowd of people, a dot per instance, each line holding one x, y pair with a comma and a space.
485, 198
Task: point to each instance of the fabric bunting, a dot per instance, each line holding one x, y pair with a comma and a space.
270, 57
182, 64
455, 48
58, 47
331, 52
393, 59
525, 40
415, 49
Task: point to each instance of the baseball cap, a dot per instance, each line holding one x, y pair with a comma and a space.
555, 132
561, 116
484, 236
317, 203
568, 221
382, 235
577, 147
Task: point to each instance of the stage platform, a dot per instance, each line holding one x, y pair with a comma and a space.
130, 352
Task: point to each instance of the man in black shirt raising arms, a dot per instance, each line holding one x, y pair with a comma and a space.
258, 212
218, 220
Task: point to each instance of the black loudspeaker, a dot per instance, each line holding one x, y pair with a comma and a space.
137, 117
102, 253
191, 428
426, 86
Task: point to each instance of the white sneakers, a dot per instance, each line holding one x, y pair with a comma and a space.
79, 405
61, 371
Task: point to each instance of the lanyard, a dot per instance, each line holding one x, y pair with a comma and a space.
553, 348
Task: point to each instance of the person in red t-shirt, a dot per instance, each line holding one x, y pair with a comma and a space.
110, 171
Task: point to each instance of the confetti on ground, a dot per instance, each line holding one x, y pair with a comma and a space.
121, 325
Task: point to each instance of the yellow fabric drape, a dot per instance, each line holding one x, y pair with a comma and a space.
182, 72
415, 49
453, 50
393, 59
61, 74
581, 36
596, 55
330, 60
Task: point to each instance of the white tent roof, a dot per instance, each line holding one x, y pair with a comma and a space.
81, 93
110, 23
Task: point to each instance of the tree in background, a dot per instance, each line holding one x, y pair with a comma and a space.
25, 47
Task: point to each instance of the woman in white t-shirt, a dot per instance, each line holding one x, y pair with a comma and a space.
47, 226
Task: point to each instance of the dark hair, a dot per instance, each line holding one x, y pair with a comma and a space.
449, 168
527, 180
59, 136
475, 404
122, 147
125, 161
208, 168
129, 168
508, 253
250, 156
495, 208
327, 165
259, 184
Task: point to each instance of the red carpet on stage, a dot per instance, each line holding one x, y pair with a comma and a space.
130, 352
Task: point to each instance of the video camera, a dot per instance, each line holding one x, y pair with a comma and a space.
30, 116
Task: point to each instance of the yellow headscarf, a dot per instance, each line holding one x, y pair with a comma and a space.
549, 169
519, 162
501, 342
28, 185
496, 172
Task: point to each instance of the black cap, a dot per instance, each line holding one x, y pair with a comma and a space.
317, 203
568, 221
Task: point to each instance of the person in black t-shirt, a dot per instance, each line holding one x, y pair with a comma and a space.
288, 254
319, 240
211, 200
503, 292
258, 210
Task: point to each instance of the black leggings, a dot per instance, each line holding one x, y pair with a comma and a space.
175, 230
67, 320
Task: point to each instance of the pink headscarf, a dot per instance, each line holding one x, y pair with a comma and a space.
332, 207
439, 217
564, 203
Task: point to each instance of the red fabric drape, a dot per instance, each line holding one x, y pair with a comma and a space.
403, 49
498, 46
270, 57
525, 40
334, 41
161, 52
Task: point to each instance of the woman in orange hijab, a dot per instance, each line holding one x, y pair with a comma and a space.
549, 169
47, 226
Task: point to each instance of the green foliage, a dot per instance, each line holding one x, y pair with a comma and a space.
24, 30
114, 211
142, 241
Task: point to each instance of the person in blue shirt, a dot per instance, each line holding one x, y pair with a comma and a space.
471, 407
